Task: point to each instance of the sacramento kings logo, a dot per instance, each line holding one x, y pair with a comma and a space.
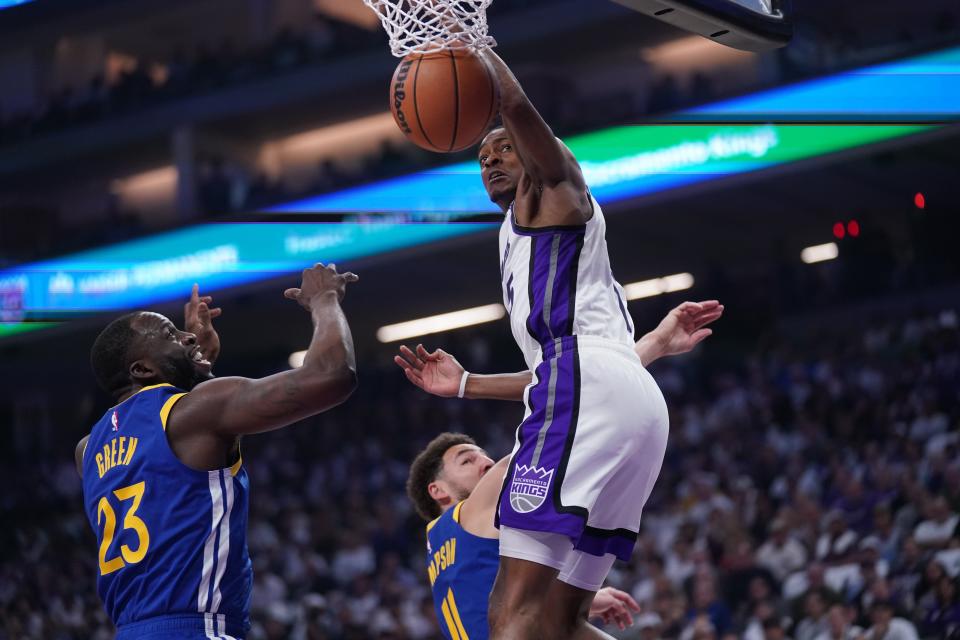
529, 488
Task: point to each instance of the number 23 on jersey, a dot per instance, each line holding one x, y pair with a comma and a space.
107, 518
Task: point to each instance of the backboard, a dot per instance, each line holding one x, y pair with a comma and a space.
751, 25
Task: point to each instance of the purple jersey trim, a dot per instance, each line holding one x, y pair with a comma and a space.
554, 266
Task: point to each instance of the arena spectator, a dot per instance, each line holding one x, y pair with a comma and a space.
840, 625
886, 626
939, 527
814, 621
781, 554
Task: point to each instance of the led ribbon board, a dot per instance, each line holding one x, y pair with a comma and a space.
618, 163
217, 255
921, 89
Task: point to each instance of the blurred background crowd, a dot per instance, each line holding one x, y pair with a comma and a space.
811, 490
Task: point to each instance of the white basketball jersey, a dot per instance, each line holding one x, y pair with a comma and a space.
557, 282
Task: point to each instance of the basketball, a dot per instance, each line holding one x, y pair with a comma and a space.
444, 101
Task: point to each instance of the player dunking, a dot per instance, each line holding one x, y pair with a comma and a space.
591, 445
456, 487
164, 487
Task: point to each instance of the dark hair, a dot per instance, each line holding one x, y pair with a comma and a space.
425, 469
108, 356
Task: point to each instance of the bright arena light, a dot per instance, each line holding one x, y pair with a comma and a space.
442, 322
658, 286
296, 359
820, 253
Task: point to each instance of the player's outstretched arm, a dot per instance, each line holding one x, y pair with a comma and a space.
230, 407
680, 331
478, 510
440, 374
545, 159
497, 386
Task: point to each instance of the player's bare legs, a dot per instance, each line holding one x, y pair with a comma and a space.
520, 608
569, 608
518, 598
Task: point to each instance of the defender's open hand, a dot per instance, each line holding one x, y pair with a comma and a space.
438, 373
198, 318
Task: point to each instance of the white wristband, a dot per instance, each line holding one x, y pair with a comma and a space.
463, 383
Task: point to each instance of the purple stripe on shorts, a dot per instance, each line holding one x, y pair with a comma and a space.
599, 542
530, 498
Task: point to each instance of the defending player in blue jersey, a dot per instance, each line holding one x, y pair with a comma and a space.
463, 544
164, 486
456, 486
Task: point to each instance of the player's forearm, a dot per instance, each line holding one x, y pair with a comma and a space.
512, 97
650, 348
542, 154
479, 510
327, 377
498, 386
210, 351
331, 353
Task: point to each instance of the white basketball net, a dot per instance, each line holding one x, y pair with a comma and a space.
426, 26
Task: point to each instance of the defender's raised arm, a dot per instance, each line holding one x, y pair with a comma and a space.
237, 406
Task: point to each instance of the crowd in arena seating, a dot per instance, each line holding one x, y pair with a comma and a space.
207, 68
226, 187
811, 491
819, 47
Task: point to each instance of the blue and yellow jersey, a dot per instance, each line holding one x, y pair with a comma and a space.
462, 568
171, 540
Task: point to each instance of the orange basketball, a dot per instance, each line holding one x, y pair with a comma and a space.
444, 101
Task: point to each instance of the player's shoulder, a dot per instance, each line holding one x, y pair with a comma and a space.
146, 401
440, 521
448, 524
161, 389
